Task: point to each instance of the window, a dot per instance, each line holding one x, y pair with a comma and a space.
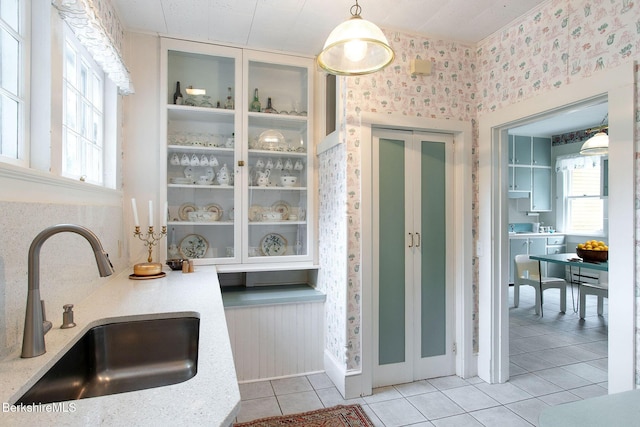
584, 204
12, 73
83, 115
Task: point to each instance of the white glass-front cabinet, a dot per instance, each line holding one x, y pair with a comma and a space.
239, 182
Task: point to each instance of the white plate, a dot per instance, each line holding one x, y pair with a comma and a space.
185, 208
273, 244
193, 246
215, 209
283, 208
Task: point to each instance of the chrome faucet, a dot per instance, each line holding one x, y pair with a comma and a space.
34, 328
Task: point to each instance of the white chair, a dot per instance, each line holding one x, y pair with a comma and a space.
528, 273
601, 290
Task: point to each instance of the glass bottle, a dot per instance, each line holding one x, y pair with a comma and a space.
255, 105
229, 102
177, 96
269, 108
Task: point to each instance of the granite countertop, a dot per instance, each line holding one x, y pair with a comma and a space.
211, 397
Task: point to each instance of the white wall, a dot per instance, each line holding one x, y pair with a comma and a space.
141, 132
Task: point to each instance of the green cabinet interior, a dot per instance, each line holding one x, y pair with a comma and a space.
530, 170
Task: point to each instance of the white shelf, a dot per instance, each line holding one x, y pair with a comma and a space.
273, 153
272, 223
206, 187
276, 188
199, 148
199, 223
189, 113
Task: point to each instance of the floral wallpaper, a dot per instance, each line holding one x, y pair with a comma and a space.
447, 94
332, 247
559, 42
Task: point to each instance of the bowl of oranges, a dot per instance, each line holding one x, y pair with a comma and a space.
593, 250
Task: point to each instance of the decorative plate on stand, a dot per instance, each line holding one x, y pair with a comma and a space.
185, 208
273, 244
193, 246
283, 208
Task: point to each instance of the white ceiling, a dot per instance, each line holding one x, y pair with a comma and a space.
301, 26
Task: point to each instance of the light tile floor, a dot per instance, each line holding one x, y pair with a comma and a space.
555, 359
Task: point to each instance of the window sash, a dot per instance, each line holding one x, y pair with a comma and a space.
83, 115
584, 206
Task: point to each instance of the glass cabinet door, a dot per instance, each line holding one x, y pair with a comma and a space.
201, 137
278, 153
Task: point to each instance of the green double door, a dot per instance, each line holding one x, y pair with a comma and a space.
412, 279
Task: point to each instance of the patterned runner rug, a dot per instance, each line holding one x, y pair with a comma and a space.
336, 416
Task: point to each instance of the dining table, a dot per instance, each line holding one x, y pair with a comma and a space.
572, 260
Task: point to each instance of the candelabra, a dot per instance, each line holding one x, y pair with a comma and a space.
150, 240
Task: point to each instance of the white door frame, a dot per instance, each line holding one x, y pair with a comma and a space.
466, 364
618, 86
414, 366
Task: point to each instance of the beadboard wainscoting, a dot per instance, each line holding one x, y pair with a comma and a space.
271, 341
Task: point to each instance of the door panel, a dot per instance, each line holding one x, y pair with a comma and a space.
392, 233
433, 247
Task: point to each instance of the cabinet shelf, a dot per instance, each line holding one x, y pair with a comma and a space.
278, 121
197, 223
199, 149
276, 188
195, 114
273, 153
272, 223
202, 187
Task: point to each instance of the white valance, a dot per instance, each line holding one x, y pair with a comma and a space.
576, 161
95, 24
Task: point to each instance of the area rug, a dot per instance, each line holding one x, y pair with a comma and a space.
336, 416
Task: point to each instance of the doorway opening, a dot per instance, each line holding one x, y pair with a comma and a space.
549, 340
618, 87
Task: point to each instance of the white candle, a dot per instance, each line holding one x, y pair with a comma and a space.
150, 213
136, 222
165, 214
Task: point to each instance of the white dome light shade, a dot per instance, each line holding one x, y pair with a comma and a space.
596, 145
355, 47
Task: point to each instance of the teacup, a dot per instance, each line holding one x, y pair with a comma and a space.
288, 180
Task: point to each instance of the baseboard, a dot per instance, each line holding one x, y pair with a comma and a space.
348, 383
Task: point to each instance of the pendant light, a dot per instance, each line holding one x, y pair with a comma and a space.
598, 144
355, 47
